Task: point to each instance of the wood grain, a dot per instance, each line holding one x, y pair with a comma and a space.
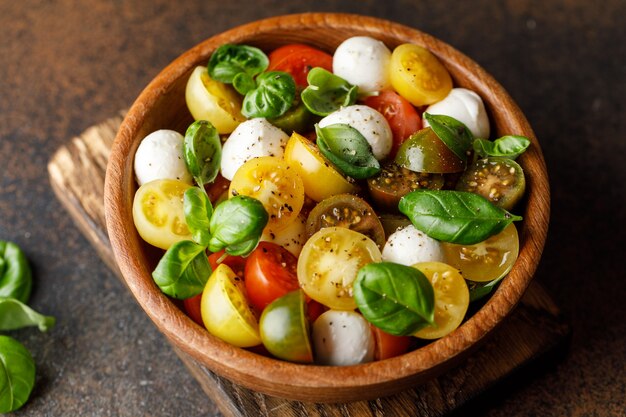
535, 327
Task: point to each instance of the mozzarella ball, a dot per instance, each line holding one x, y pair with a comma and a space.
364, 62
408, 246
370, 123
342, 338
291, 238
160, 156
251, 139
467, 107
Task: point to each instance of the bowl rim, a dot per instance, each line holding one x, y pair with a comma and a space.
274, 376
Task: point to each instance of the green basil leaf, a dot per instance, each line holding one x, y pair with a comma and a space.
327, 92
274, 94
237, 225
229, 60
202, 150
183, 270
455, 216
478, 290
17, 374
510, 146
15, 274
346, 147
243, 83
452, 132
198, 211
14, 315
398, 299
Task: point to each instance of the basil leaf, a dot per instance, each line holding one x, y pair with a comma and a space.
274, 94
454, 216
229, 60
198, 211
453, 133
15, 315
327, 92
478, 290
17, 374
183, 270
398, 299
510, 146
243, 83
15, 274
237, 225
202, 150
346, 147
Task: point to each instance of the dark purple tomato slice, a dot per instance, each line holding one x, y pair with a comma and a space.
349, 211
425, 152
394, 182
500, 180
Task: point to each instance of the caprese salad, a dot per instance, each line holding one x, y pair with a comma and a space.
329, 209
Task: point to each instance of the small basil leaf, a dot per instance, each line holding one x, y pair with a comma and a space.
510, 146
396, 298
183, 270
454, 216
15, 274
478, 290
452, 132
237, 225
15, 315
17, 374
243, 83
346, 147
202, 150
198, 211
274, 94
327, 92
229, 60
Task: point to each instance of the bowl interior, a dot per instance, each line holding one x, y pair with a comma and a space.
162, 105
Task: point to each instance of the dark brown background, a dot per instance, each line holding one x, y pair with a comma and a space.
68, 64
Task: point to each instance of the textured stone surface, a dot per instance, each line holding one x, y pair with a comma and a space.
67, 64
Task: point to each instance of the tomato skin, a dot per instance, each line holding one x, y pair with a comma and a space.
192, 308
269, 274
297, 60
217, 189
403, 119
388, 345
236, 263
424, 151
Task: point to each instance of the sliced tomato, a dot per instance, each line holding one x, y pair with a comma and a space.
236, 263
403, 119
298, 59
270, 273
388, 345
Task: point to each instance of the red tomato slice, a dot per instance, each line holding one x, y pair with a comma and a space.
192, 307
388, 345
270, 273
401, 115
298, 59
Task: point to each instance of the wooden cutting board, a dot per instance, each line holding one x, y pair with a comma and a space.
77, 172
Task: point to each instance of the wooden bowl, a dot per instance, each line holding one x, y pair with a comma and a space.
162, 105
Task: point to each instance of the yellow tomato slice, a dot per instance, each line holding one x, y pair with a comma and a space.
158, 212
211, 100
321, 180
275, 184
225, 311
487, 260
451, 298
418, 76
329, 263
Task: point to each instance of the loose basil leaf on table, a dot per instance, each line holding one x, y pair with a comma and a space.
202, 150
17, 374
274, 94
183, 270
327, 92
346, 147
237, 225
229, 60
478, 290
510, 146
452, 132
198, 211
454, 216
14, 315
15, 274
396, 298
